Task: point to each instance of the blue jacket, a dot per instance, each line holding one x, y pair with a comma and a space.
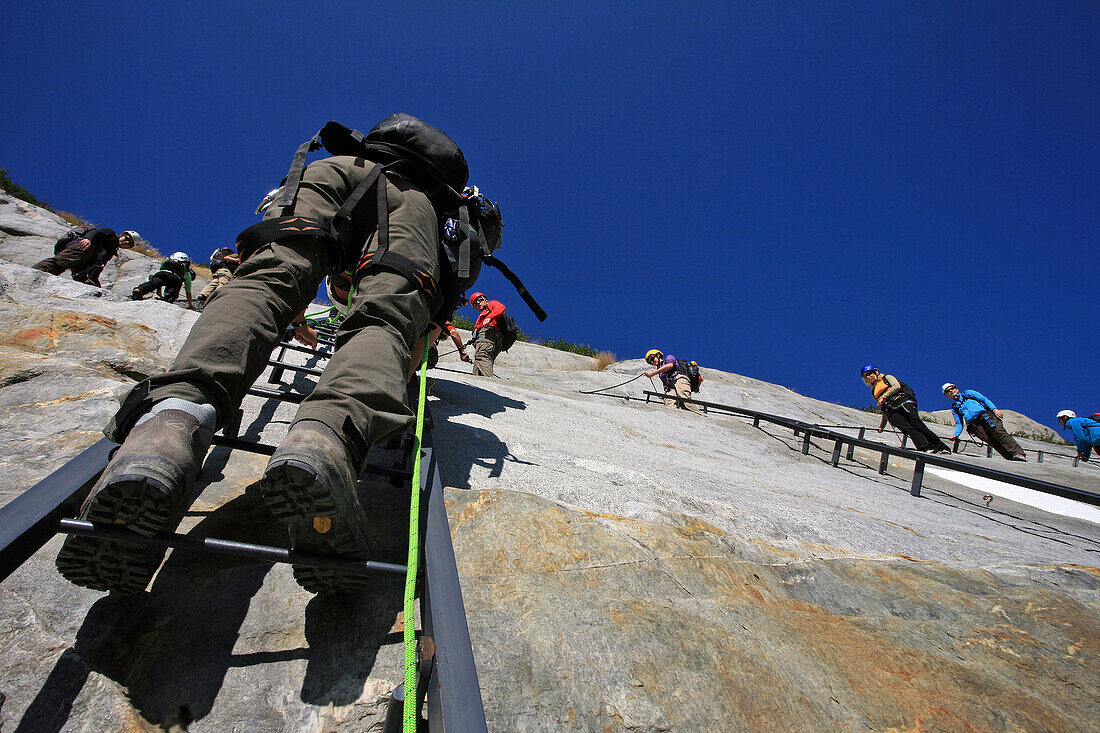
968, 406
1086, 433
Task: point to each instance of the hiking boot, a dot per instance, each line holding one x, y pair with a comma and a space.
1018, 457
310, 486
146, 488
136, 294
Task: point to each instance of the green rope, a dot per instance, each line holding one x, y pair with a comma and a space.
327, 312
410, 711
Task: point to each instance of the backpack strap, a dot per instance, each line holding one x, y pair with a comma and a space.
464, 247
294, 176
529, 299
381, 256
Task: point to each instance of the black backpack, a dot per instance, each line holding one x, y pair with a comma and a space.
74, 234
508, 331
434, 163
691, 369
176, 268
906, 394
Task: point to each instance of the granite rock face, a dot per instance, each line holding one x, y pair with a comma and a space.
66, 352
28, 234
625, 567
674, 624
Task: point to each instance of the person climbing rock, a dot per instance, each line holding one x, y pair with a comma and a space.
404, 172
674, 378
174, 273
86, 256
1086, 432
898, 403
981, 418
486, 337
223, 263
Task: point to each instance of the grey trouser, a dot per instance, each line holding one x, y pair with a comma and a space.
486, 348
361, 394
681, 387
220, 277
71, 257
992, 432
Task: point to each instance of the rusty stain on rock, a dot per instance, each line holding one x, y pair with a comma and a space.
849, 642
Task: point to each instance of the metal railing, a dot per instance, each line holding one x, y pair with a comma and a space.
808, 431
448, 681
959, 444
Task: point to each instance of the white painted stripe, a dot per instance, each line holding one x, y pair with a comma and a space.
1038, 499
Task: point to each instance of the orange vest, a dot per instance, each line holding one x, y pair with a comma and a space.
879, 387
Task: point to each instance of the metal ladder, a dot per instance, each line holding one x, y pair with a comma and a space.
447, 680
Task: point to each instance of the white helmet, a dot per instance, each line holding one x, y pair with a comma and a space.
180, 257
1066, 414
946, 386
345, 283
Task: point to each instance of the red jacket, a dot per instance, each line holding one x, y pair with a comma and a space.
489, 320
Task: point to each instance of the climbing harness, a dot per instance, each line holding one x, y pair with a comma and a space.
410, 715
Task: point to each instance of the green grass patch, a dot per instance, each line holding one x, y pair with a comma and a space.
18, 191
562, 345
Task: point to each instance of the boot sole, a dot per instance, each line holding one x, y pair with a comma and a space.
142, 505
108, 566
299, 499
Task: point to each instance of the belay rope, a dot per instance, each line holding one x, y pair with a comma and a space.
411, 714
620, 384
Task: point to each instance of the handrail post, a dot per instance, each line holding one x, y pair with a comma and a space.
955, 445
904, 440
756, 422
836, 452
1040, 459
883, 462
918, 478
852, 446
989, 451
1076, 460
806, 444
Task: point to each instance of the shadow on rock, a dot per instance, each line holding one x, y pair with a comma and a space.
172, 647
344, 635
467, 446
456, 398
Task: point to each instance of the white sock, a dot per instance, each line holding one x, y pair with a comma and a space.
204, 413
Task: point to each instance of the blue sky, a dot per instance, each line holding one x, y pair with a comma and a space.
782, 190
